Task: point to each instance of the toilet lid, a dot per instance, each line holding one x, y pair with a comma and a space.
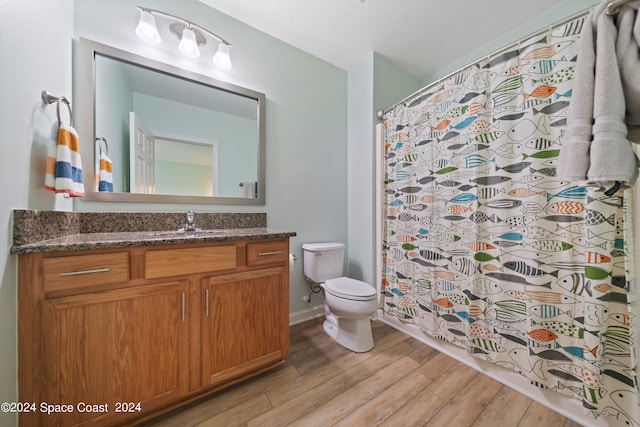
345, 287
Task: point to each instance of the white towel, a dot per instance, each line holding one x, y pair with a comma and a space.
64, 164
249, 189
595, 148
628, 52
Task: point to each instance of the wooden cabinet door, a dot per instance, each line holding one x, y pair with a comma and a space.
122, 347
245, 323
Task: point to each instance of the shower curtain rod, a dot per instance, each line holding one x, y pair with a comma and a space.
497, 52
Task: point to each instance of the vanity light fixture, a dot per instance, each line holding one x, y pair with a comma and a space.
147, 29
191, 36
222, 58
188, 43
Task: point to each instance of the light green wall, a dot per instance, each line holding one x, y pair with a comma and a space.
183, 178
360, 179
390, 83
373, 84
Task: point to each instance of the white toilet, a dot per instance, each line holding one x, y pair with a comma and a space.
348, 302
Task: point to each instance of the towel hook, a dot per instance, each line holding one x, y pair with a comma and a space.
106, 145
66, 101
49, 98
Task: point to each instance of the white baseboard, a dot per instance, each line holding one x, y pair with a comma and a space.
306, 314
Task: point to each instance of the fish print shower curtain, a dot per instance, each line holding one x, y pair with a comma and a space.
485, 248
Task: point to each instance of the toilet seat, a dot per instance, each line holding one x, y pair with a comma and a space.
347, 288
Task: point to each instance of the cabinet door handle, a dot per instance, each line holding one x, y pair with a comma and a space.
206, 302
79, 273
269, 253
184, 305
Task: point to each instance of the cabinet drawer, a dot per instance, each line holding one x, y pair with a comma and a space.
267, 252
175, 262
72, 272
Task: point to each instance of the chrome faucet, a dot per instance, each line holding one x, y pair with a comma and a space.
190, 224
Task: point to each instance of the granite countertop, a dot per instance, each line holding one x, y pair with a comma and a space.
47, 231
145, 238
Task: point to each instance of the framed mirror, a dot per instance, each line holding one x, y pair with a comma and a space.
168, 134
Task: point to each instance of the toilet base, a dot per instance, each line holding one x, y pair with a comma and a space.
353, 334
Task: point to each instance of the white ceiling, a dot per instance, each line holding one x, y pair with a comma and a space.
419, 36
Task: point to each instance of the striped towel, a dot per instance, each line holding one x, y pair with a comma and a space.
64, 165
105, 182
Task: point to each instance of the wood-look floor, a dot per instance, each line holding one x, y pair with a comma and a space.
401, 382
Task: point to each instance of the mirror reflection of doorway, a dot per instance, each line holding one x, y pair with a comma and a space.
178, 164
186, 165
141, 142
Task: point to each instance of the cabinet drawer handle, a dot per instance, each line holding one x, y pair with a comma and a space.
184, 305
79, 273
269, 253
206, 302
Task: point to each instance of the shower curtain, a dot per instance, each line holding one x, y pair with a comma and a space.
486, 248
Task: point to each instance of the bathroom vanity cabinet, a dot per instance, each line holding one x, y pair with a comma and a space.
113, 336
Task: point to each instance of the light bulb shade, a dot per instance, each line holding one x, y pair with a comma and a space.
222, 58
188, 43
147, 29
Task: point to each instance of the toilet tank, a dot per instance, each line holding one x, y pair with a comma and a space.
322, 261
